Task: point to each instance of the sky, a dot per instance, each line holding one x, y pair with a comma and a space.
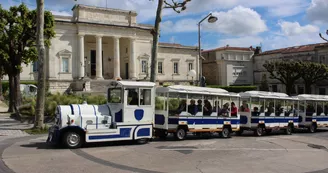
272, 24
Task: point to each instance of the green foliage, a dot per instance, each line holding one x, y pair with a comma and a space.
235, 89
312, 73
173, 104
58, 99
264, 83
287, 72
159, 103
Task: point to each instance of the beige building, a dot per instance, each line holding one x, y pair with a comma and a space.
312, 52
227, 66
105, 44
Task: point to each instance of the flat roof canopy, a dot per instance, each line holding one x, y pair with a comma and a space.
312, 97
265, 94
132, 84
195, 90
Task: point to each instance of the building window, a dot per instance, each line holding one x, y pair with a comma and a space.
274, 88
322, 91
176, 68
65, 63
300, 90
160, 68
190, 66
35, 66
144, 66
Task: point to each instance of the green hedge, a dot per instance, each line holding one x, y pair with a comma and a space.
58, 99
5, 85
235, 89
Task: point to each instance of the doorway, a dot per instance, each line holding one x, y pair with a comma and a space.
126, 70
93, 63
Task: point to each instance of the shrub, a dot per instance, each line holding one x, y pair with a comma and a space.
235, 89
159, 103
5, 85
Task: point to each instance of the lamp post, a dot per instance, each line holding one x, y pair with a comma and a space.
211, 19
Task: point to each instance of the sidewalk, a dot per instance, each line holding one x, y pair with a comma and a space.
10, 127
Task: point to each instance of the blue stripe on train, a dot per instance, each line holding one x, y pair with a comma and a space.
124, 133
203, 121
274, 119
316, 118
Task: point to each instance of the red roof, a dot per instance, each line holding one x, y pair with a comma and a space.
295, 49
231, 48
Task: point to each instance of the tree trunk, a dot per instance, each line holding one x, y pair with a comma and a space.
155, 41
39, 111
17, 92
11, 93
307, 88
1, 94
289, 89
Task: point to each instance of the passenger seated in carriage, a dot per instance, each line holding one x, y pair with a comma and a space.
309, 110
192, 108
244, 107
234, 109
255, 111
319, 110
270, 109
134, 100
225, 110
182, 107
207, 108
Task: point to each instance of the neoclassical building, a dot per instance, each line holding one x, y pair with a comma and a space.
103, 44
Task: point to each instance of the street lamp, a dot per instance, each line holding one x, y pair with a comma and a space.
211, 19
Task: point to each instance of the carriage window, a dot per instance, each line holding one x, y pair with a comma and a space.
160, 103
225, 106
325, 108
114, 95
145, 96
269, 107
234, 105
175, 104
193, 106
208, 105
133, 97
310, 108
319, 108
279, 107
302, 106
244, 107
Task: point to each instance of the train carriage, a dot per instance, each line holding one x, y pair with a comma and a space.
177, 111
313, 111
128, 115
266, 111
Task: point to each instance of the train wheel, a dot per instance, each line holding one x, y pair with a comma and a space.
180, 134
72, 139
225, 132
312, 128
289, 130
259, 131
142, 141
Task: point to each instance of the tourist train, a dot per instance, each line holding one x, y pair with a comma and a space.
139, 111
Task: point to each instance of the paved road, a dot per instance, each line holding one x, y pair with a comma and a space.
299, 152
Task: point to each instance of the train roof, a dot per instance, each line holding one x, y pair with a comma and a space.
265, 94
313, 97
194, 90
132, 84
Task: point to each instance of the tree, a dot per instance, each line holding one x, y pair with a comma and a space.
177, 7
284, 71
312, 73
264, 83
39, 111
17, 44
2, 73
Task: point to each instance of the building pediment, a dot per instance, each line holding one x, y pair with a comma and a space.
144, 56
64, 52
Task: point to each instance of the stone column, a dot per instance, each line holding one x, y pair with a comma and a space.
99, 57
117, 63
132, 60
81, 56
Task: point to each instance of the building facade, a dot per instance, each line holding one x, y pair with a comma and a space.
313, 52
104, 44
227, 66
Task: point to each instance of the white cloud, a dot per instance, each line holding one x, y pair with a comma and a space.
237, 21
294, 28
277, 7
318, 11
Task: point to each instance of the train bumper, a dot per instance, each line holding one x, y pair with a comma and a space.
53, 135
